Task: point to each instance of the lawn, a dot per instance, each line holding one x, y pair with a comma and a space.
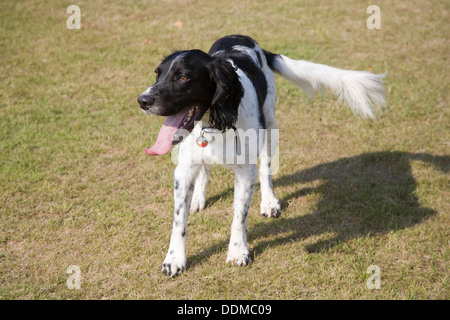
76, 187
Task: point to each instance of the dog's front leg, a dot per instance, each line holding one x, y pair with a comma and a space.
243, 189
175, 261
198, 199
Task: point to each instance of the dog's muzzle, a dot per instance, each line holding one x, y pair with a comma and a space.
146, 101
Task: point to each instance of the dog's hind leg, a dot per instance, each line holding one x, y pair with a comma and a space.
198, 199
243, 189
175, 261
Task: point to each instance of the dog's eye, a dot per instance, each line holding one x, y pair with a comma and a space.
183, 77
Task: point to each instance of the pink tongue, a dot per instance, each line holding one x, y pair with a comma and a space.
164, 141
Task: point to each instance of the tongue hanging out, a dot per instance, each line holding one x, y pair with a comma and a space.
168, 135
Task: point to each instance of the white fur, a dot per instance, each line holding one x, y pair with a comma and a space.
362, 91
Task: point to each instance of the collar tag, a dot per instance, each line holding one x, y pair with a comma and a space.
202, 141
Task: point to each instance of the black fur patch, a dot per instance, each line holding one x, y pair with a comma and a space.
226, 43
271, 57
228, 94
224, 48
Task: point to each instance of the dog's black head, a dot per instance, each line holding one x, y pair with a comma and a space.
188, 83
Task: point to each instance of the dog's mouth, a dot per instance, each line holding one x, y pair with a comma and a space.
176, 128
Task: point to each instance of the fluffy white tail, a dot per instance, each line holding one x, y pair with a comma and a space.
362, 91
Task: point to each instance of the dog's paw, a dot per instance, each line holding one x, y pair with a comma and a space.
239, 259
173, 266
197, 204
271, 209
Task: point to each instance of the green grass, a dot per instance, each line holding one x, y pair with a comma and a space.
78, 189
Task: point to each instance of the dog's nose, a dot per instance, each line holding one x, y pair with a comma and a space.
145, 101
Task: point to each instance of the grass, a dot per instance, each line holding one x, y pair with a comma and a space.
77, 188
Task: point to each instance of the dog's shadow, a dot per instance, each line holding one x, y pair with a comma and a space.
365, 195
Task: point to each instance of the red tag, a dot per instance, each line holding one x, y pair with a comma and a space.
202, 142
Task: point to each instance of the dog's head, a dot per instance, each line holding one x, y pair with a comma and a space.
189, 83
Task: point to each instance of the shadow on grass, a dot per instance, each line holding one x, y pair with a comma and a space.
369, 194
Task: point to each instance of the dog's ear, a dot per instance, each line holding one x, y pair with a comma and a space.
229, 91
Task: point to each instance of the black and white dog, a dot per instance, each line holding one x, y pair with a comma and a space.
233, 87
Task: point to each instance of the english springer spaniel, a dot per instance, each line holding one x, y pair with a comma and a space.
228, 92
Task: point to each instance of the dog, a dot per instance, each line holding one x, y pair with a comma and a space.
207, 96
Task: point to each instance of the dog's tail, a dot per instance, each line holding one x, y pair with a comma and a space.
362, 91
